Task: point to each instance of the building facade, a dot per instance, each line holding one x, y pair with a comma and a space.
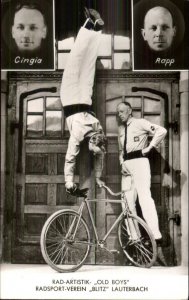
34, 139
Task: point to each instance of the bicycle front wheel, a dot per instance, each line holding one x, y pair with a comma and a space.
65, 241
137, 241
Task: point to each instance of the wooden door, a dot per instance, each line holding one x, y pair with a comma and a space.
153, 106
39, 177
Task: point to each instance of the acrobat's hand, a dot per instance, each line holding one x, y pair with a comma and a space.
99, 182
70, 187
124, 170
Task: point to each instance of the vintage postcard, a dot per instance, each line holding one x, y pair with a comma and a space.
94, 149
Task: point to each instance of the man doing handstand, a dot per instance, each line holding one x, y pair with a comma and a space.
76, 92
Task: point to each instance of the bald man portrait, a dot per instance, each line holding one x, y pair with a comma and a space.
159, 31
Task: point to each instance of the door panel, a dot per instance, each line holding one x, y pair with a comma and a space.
40, 186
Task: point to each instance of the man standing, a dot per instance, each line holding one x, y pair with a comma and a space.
76, 92
159, 29
133, 148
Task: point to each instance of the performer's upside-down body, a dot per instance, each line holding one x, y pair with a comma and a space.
76, 93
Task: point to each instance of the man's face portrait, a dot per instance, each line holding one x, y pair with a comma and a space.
124, 112
159, 30
28, 29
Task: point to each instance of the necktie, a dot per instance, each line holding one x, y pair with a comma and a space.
125, 144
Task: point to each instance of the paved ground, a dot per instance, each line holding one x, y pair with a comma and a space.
93, 282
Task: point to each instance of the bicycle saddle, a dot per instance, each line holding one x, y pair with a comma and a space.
78, 192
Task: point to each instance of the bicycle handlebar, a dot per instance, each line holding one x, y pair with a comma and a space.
110, 191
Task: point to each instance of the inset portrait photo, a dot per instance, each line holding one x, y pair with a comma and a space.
160, 35
27, 35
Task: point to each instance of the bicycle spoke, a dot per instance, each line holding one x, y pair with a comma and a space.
145, 249
56, 250
55, 255
54, 239
142, 252
51, 246
141, 246
65, 253
53, 232
66, 241
61, 225
135, 249
62, 258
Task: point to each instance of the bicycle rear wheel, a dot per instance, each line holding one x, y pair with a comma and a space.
137, 241
65, 241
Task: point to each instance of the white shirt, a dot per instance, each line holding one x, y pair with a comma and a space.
138, 131
81, 125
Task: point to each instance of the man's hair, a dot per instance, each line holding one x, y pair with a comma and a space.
27, 4
162, 8
127, 104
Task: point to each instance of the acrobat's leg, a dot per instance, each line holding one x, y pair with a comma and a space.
70, 90
70, 159
87, 71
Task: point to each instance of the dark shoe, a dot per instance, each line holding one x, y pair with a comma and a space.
95, 17
77, 192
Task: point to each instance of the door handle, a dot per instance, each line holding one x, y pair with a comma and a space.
175, 217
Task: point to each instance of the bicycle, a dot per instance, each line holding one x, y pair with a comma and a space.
65, 238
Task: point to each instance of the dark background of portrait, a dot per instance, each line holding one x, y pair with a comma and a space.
69, 19
8, 47
180, 44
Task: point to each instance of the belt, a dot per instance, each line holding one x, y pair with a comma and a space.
133, 155
77, 108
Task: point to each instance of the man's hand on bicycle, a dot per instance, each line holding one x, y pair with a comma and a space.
99, 182
74, 190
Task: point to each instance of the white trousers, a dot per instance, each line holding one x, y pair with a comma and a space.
78, 77
140, 170
77, 88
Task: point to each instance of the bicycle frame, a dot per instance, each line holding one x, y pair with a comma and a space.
61, 235
86, 201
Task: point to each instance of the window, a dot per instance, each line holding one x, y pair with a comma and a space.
44, 118
114, 52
